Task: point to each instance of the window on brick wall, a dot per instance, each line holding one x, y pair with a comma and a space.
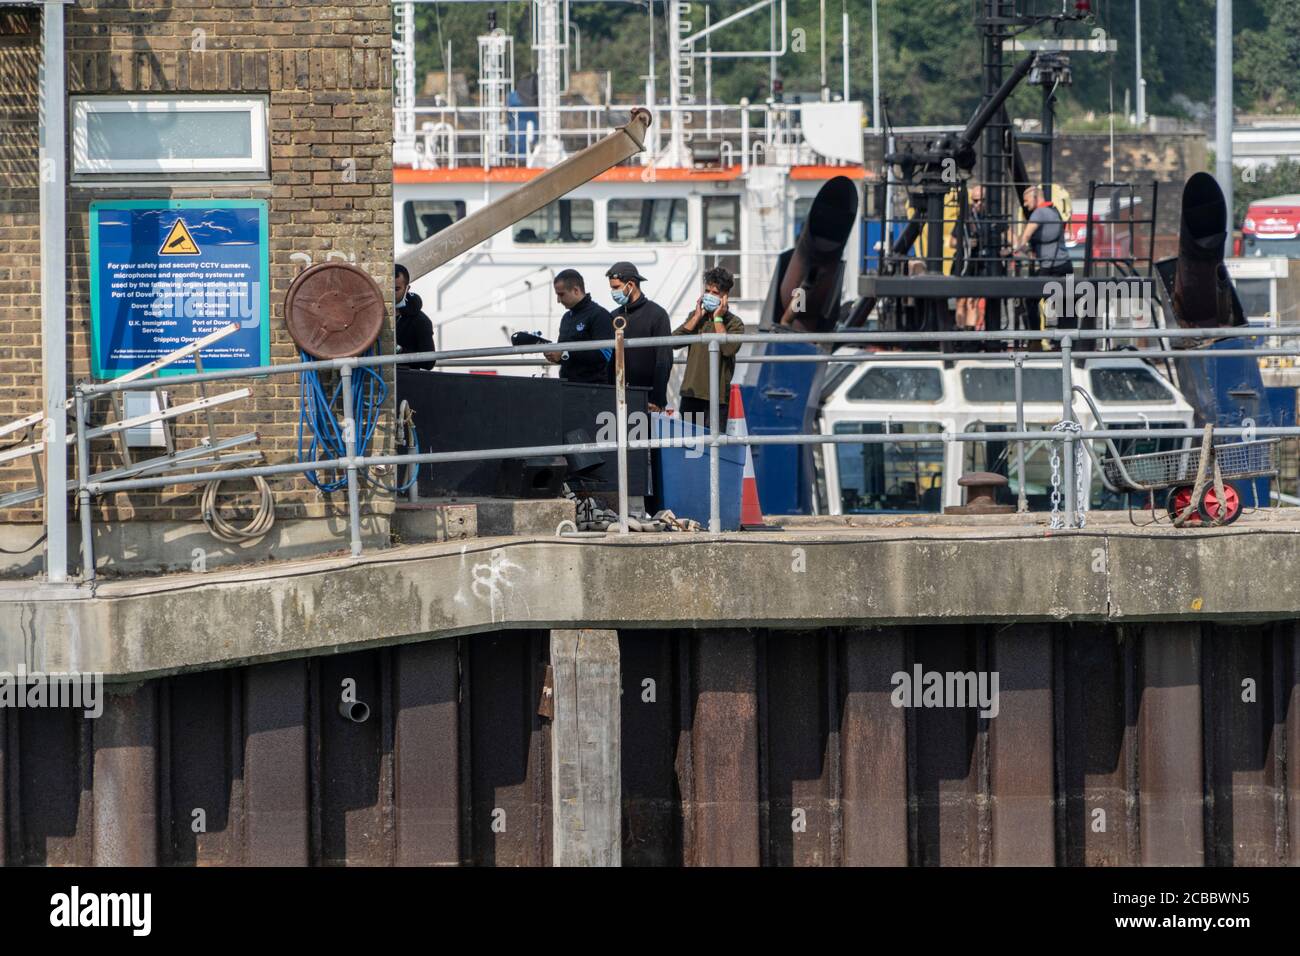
214, 135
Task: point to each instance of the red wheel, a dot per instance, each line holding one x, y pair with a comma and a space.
1226, 512
1180, 496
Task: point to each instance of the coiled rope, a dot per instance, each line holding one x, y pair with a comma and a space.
223, 530
320, 415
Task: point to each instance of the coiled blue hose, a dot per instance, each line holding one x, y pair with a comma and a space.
319, 414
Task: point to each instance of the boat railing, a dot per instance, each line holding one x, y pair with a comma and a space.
451, 136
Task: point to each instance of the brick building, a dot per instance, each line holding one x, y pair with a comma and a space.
322, 73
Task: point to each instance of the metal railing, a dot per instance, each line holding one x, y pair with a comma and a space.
89, 484
746, 134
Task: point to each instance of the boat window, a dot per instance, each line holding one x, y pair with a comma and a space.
996, 384
722, 233
890, 476
885, 383
1131, 384
1255, 295
564, 220
802, 205
836, 373
422, 218
1000, 457
647, 220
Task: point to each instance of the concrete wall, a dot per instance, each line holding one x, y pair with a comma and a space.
1167, 158
327, 72
134, 629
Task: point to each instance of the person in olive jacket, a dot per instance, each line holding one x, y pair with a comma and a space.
711, 316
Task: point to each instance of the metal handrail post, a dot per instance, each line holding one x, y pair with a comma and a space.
620, 387
1067, 415
350, 444
744, 139
715, 449
1022, 502
83, 493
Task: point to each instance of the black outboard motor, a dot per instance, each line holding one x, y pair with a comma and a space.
805, 291
1203, 295
782, 398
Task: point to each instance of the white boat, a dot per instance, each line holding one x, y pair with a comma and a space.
719, 184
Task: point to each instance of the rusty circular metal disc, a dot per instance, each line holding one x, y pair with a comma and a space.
334, 310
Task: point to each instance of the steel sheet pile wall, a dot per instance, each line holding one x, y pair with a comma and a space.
1154, 744
451, 766
1112, 746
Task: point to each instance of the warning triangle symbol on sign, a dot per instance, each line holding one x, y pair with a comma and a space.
179, 242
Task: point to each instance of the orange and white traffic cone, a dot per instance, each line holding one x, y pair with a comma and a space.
751, 514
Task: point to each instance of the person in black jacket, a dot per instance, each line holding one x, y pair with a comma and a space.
585, 321
646, 367
414, 330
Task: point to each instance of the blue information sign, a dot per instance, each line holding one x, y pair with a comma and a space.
167, 272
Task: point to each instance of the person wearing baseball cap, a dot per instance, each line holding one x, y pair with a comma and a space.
647, 367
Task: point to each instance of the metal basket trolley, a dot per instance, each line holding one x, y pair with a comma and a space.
1199, 480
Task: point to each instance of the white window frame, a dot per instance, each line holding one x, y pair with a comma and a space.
82, 107
623, 243
596, 205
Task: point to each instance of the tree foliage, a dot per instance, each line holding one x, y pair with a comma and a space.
1281, 179
929, 52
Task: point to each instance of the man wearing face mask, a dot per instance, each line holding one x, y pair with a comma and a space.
414, 330
647, 367
711, 316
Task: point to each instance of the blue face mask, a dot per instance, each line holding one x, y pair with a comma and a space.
619, 296
710, 301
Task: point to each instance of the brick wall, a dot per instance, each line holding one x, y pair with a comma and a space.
20, 341
328, 73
